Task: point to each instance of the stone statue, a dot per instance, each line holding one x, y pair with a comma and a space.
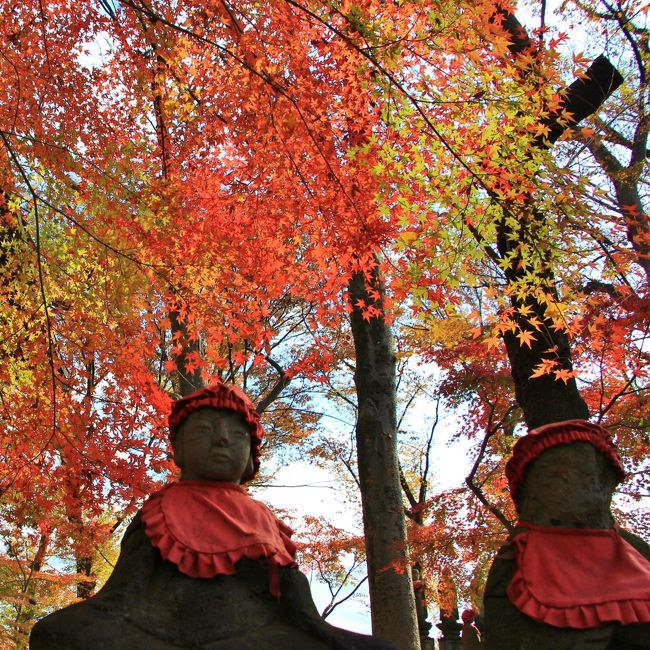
569, 578
203, 565
470, 635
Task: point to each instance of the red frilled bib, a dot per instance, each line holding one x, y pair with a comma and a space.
205, 528
579, 578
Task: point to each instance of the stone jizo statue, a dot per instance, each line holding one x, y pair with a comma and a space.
203, 565
470, 635
569, 578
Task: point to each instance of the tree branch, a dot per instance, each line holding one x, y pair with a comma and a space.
328, 610
281, 383
469, 481
424, 481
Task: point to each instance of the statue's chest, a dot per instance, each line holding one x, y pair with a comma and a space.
220, 608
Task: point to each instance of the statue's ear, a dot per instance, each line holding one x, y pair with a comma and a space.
178, 450
249, 471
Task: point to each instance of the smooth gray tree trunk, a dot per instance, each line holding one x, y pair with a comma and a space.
392, 602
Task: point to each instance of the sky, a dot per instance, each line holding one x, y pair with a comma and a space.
317, 496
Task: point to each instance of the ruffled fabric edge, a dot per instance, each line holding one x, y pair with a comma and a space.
196, 564
207, 565
627, 612
530, 446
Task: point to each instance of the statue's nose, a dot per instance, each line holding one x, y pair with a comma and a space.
220, 435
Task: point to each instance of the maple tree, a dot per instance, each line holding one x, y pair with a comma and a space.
191, 189
159, 272
612, 384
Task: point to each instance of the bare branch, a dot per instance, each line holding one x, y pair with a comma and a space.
406, 488
424, 480
281, 383
327, 612
469, 481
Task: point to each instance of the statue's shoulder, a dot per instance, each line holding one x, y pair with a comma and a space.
134, 526
636, 542
134, 538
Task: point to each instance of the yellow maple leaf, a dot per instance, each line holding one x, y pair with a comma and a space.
542, 130
408, 236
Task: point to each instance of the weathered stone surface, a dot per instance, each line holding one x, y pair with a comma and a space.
148, 604
569, 486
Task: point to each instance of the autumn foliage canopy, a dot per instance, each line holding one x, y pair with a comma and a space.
187, 187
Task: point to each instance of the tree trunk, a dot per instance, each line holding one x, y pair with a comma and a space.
27, 609
547, 398
186, 381
391, 589
544, 399
85, 588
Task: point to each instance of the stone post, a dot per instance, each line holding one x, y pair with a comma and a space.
450, 628
424, 627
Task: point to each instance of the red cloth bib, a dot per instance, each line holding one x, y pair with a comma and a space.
579, 578
205, 528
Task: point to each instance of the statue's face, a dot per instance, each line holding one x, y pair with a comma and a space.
213, 445
570, 486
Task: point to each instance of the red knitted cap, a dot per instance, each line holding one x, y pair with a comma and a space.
530, 446
220, 396
468, 616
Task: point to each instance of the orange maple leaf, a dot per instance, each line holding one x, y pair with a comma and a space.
525, 337
563, 374
546, 367
492, 342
